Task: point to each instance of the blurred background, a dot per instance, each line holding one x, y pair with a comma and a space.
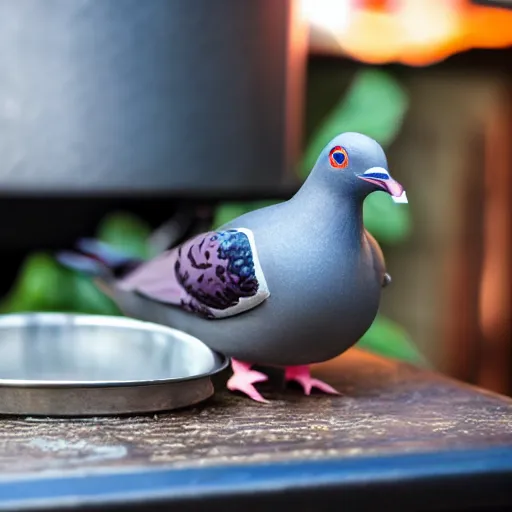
144, 122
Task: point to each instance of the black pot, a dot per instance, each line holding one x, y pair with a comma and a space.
133, 97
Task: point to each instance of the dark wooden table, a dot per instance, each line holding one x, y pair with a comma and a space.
398, 438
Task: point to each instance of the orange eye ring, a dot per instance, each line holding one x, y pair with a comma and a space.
338, 157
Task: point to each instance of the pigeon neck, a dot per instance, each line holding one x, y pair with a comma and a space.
323, 205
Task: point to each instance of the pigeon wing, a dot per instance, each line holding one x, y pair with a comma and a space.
215, 274
379, 262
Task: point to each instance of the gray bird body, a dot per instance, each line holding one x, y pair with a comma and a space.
309, 278
323, 295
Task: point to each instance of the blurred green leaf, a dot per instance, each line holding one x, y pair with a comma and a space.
42, 284
388, 339
126, 232
387, 221
226, 212
39, 286
88, 298
375, 105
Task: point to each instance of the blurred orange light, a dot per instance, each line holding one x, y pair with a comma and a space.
412, 32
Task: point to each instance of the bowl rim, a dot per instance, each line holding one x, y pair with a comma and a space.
221, 361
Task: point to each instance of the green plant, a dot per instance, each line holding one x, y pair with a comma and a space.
43, 284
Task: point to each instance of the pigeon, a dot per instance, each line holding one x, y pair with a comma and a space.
288, 285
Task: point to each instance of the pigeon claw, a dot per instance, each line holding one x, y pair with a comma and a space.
243, 379
302, 375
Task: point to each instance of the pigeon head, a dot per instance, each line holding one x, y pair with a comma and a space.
356, 165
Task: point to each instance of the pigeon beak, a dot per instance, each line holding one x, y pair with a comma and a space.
381, 177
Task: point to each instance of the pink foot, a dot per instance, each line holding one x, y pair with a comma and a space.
243, 379
302, 375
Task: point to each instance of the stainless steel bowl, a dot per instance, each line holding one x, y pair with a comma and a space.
55, 364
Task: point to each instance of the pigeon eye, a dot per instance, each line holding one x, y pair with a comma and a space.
338, 157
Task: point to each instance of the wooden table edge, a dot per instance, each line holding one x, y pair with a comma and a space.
442, 480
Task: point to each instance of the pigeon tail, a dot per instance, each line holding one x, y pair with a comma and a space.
98, 259
81, 263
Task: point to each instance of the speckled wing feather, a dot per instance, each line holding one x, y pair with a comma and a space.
215, 274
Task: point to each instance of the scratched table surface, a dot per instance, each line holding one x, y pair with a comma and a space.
386, 409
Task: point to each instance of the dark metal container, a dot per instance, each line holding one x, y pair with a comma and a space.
133, 97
